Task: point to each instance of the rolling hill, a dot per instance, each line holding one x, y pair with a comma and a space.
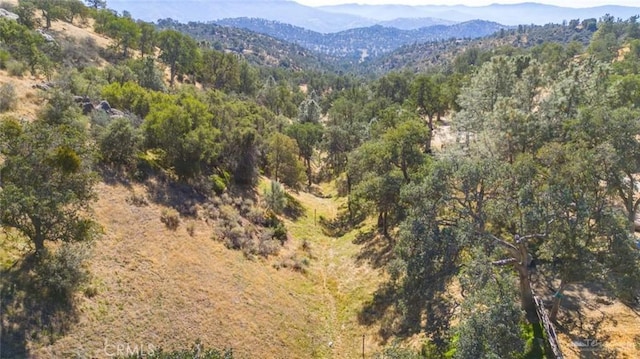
329, 19
511, 14
361, 43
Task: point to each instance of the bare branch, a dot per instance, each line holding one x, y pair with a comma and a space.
503, 242
504, 262
535, 235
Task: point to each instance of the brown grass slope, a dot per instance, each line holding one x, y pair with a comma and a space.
162, 288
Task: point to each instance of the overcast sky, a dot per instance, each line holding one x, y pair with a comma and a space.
566, 3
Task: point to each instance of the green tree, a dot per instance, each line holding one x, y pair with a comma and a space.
489, 320
51, 10
275, 197
76, 8
394, 87
245, 159
147, 39
47, 183
183, 132
282, 159
309, 111
344, 132
97, 4
220, 71
427, 95
180, 52
125, 32
24, 44
308, 136
102, 18
248, 79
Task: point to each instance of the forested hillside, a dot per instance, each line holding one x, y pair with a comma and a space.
164, 197
359, 44
550, 38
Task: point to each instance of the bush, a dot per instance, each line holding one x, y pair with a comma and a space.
218, 184
16, 68
236, 237
191, 228
294, 263
256, 215
171, 218
61, 273
4, 59
230, 215
268, 245
279, 230
138, 200
275, 197
8, 97
120, 143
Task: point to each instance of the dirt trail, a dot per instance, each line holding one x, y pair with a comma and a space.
346, 283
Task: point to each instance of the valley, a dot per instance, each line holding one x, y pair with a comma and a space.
255, 189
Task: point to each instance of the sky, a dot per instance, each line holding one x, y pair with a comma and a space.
565, 3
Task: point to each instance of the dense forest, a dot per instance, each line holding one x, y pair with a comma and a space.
503, 170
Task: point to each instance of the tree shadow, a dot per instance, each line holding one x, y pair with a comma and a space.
31, 310
376, 249
293, 209
182, 197
341, 224
377, 311
585, 330
113, 176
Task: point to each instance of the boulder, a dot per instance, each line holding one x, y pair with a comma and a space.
87, 108
115, 113
104, 105
81, 99
47, 37
8, 15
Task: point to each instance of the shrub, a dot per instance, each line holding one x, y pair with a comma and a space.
279, 230
4, 59
191, 229
236, 237
170, 218
294, 263
275, 197
99, 120
306, 246
16, 68
268, 245
120, 143
138, 200
8, 97
218, 184
230, 215
256, 215
246, 206
61, 273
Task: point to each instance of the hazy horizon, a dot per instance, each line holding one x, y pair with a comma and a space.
563, 3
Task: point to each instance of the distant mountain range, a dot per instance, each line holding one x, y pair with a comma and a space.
512, 14
361, 43
329, 19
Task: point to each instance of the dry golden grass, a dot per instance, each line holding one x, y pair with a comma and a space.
588, 313
167, 288
155, 286
28, 99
